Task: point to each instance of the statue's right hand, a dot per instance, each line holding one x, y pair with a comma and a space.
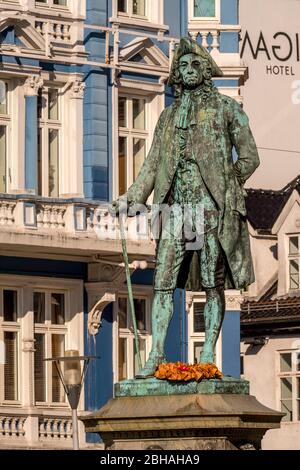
119, 206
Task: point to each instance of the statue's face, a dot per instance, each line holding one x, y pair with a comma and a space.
191, 71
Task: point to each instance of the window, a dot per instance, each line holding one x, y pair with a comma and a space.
49, 142
197, 332
204, 11
132, 139
50, 332
289, 378
132, 7
4, 128
204, 8
9, 334
127, 364
52, 3
294, 262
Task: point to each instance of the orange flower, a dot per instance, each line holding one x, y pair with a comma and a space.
186, 372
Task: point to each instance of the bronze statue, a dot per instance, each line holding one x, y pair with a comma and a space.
190, 163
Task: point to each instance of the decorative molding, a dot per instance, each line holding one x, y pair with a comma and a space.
77, 90
106, 272
28, 345
95, 315
234, 301
189, 299
32, 85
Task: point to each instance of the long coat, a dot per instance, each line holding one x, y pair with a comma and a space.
219, 124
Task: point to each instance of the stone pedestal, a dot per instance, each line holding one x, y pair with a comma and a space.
153, 414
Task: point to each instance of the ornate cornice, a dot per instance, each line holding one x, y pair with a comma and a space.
77, 90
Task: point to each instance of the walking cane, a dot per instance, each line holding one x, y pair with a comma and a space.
130, 293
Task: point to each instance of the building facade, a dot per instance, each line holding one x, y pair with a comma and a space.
82, 84
270, 318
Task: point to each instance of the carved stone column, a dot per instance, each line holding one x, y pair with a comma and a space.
73, 180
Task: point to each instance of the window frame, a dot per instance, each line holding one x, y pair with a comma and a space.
129, 13
14, 327
289, 258
153, 19
294, 375
195, 337
45, 125
49, 330
50, 4
74, 339
130, 133
128, 334
6, 121
205, 19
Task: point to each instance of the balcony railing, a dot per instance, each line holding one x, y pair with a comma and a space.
68, 222
19, 430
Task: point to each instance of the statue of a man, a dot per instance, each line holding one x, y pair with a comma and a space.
191, 163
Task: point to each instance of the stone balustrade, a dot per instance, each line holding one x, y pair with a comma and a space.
209, 34
53, 428
20, 430
57, 31
12, 427
82, 219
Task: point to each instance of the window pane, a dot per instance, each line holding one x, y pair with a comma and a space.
58, 350
122, 112
198, 347
139, 155
2, 159
204, 8
287, 407
294, 274
293, 245
10, 305
286, 388
39, 368
140, 313
122, 6
3, 97
58, 309
142, 346
139, 115
122, 313
60, 2
53, 105
40, 104
242, 365
297, 359
11, 366
39, 307
40, 162
122, 359
122, 165
53, 163
138, 7
198, 317
286, 362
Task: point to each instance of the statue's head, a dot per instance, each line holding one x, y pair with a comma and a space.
192, 66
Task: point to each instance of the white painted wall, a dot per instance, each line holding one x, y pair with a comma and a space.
264, 262
261, 369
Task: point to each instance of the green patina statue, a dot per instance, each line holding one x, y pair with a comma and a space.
190, 163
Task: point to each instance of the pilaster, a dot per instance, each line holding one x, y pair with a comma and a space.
32, 86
